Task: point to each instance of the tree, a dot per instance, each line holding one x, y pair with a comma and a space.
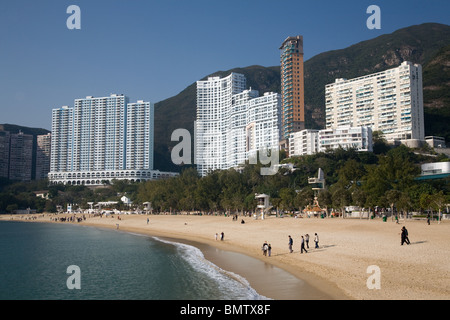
379, 144
359, 197
415, 191
425, 201
438, 201
250, 202
392, 197
324, 199
404, 203
303, 198
341, 198
350, 173
207, 192
395, 170
11, 207
287, 196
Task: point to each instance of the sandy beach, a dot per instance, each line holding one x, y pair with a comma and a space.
338, 269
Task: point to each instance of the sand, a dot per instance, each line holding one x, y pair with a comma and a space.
338, 269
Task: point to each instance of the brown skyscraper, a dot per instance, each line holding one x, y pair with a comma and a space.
292, 86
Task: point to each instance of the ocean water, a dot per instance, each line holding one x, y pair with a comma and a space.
34, 261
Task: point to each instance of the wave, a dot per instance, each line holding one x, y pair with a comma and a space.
236, 286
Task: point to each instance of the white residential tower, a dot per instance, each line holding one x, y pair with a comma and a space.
233, 122
390, 101
101, 139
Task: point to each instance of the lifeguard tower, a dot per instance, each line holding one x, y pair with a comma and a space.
148, 207
263, 205
318, 184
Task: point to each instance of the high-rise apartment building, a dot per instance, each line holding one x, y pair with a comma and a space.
4, 153
99, 126
20, 156
233, 122
214, 101
292, 86
61, 140
139, 138
43, 152
101, 139
390, 101
24, 157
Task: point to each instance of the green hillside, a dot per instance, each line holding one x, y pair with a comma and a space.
427, 44
436, 94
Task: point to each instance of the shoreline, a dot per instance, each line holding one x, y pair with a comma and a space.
264, 277
270, 279
335, 271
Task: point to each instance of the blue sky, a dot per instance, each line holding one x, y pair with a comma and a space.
152, 50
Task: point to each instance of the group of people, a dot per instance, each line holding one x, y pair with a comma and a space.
222, 236
69, 218
304, 241
267, 248
404, 236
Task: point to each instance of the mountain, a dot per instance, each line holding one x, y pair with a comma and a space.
418, 44
427, 44
436, 94
12, 128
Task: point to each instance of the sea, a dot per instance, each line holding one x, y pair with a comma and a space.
48, 261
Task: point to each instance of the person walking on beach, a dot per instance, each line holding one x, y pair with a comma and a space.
404, 235
265, 247
291, 242
222, 235
303, 246
316, 240
307, 240
269, 249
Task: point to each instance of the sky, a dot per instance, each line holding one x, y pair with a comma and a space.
152, 50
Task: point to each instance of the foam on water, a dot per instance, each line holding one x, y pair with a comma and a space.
233, 285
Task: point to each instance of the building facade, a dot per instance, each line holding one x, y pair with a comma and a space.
4, 153
435, 142
139, 135
233, 122
310, 141
390, 101
20, 157
292, 86
43, 153
61, 140
101, 139
304, 142
99, 126
346, 137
